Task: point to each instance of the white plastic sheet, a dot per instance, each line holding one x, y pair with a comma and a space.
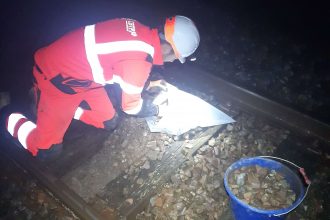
184, 112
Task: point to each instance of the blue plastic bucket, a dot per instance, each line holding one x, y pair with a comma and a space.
243, 211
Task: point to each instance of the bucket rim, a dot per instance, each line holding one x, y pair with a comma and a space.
270, 212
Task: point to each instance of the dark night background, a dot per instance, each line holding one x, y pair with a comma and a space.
279, 49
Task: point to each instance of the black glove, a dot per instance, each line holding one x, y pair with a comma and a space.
148, 109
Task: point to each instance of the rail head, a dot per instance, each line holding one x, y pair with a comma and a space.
247, 100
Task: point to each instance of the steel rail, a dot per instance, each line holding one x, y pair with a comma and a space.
193, 78
206, 82
59, 189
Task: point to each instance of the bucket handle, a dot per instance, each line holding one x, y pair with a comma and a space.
302, 173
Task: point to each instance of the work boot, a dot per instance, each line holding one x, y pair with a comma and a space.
113, 123
4, 109
4, 113
4, 99
5, 135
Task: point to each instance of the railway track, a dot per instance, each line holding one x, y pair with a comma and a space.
71, 178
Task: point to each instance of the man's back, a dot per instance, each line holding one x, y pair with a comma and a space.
101, 46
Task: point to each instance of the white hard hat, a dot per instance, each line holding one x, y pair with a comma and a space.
183, 36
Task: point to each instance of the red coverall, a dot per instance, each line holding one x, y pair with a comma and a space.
75, 68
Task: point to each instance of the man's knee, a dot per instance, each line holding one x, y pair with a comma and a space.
112, 124
50, 154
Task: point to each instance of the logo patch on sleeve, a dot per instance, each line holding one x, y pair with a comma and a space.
130, 27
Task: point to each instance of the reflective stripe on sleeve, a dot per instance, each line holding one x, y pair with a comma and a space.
12, 121
129, 45
126, 87
24, 131
93, 49
78, 113
135, 110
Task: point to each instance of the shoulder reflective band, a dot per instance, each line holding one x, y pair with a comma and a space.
126, 87
93, 49
135, 110
24, 131
12, 121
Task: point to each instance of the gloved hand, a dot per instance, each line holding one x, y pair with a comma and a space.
162, 109
148, 109
157, 86
158, 90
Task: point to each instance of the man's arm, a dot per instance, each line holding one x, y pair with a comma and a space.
134, 74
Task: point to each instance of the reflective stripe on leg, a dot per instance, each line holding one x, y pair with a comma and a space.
78, 113
12, 121
24, 131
